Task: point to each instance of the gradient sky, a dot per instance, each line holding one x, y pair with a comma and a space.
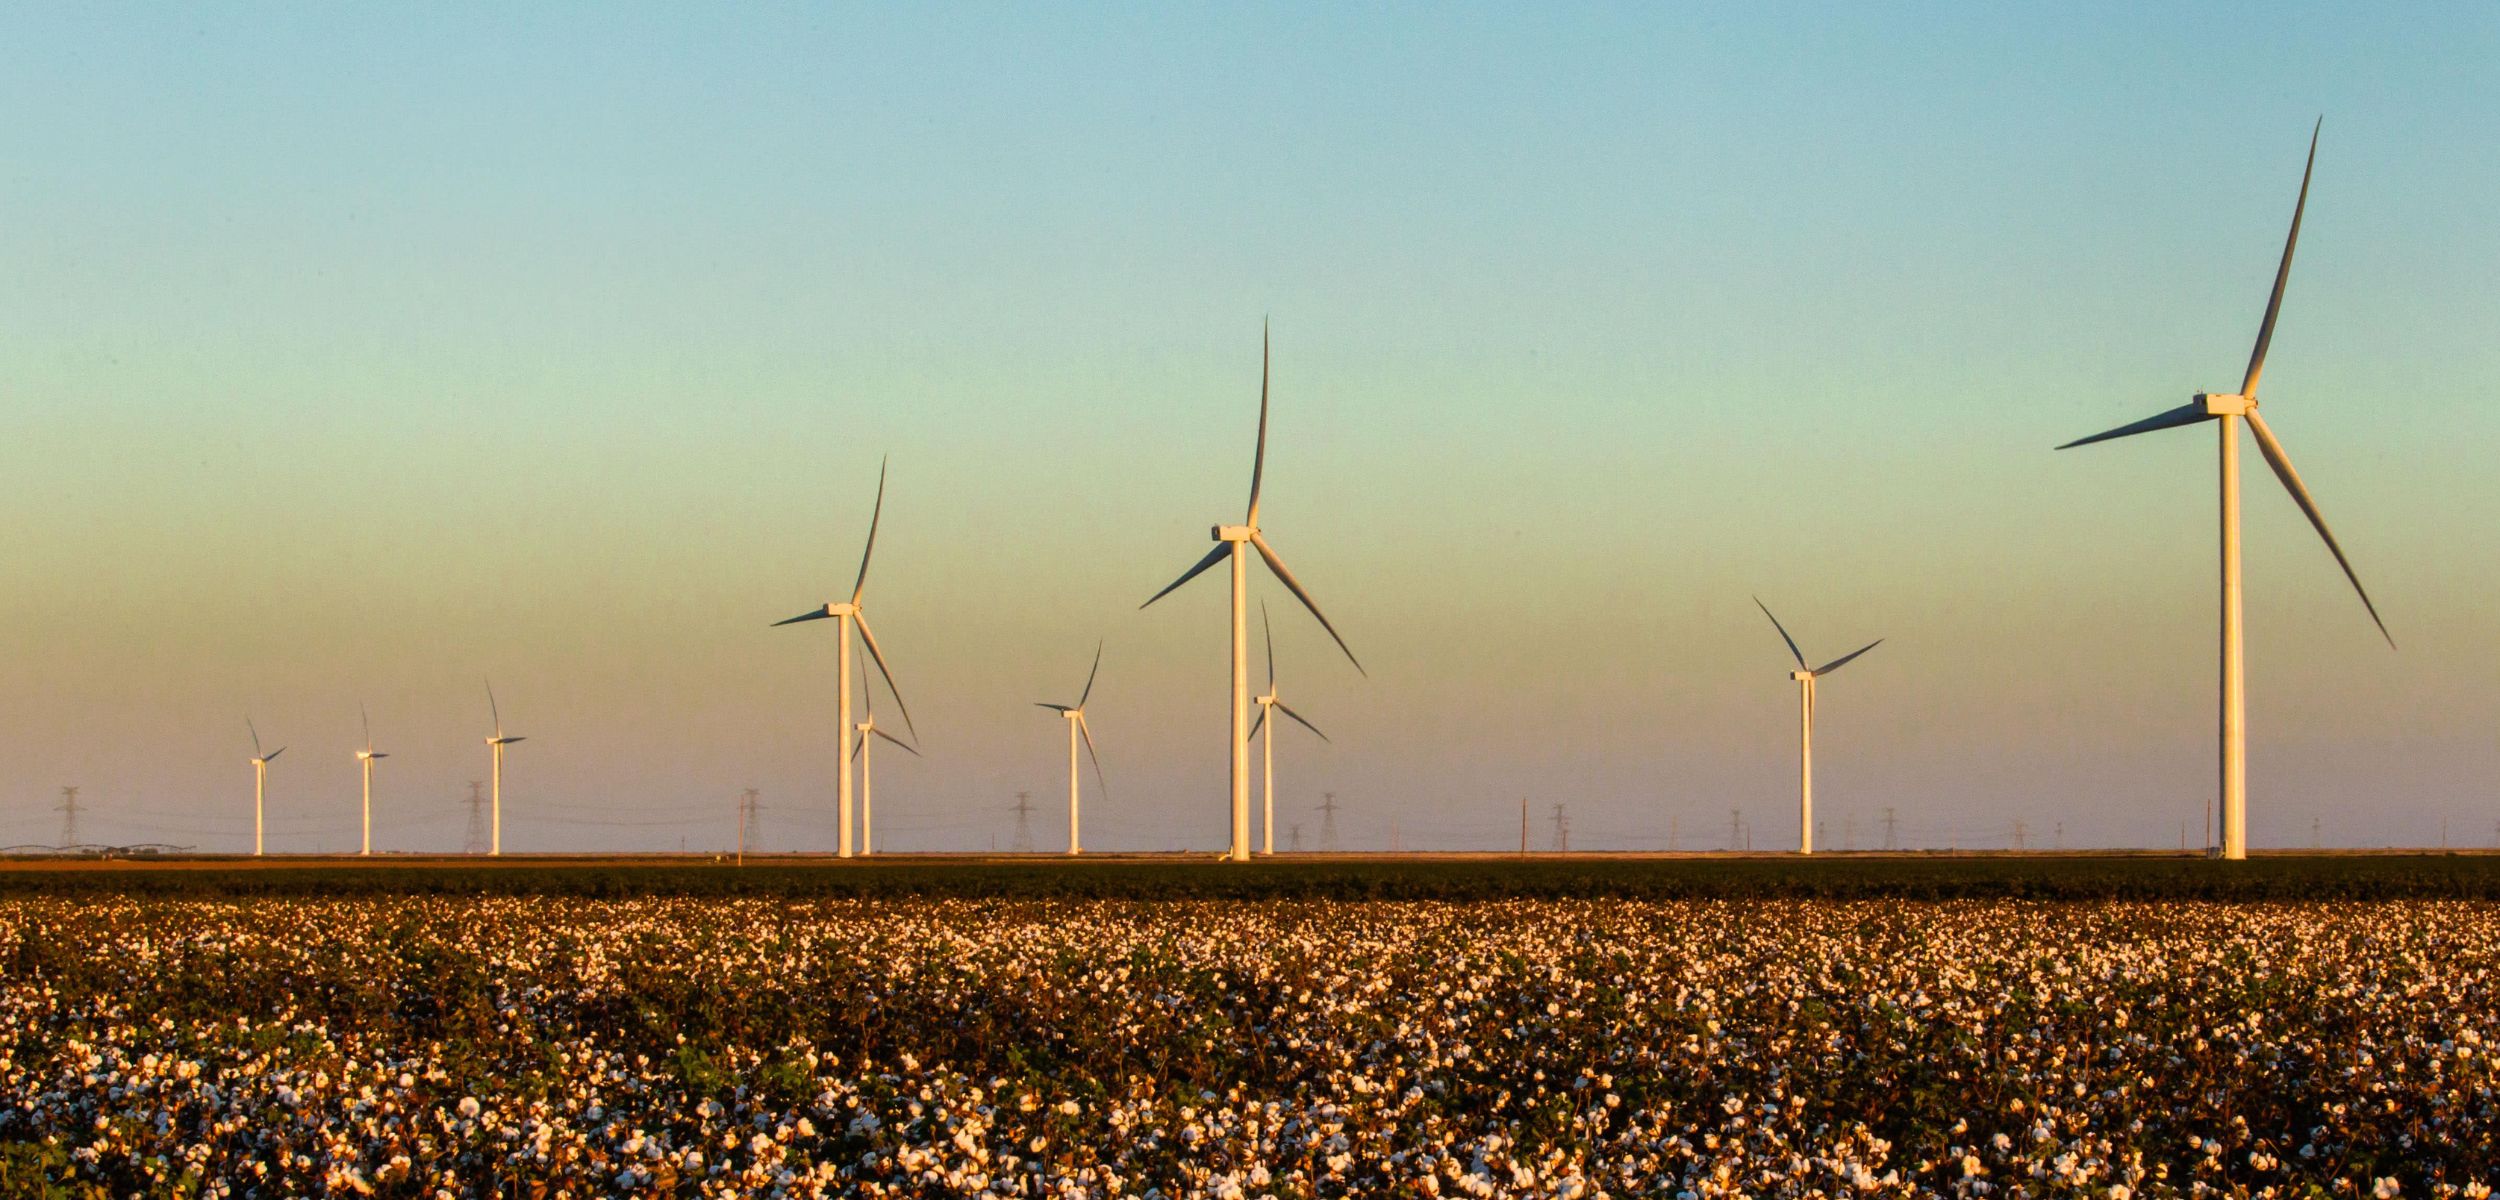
361, 353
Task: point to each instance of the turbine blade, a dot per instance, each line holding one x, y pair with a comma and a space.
817, 615
1258, 464
2282, 275
374, 754
508, 741
2185, 414
1055, 707
870, 638
1089, 676
493, 709
873, 518
247, 724
1292, 585
1213, 557
1793, 651
1270, 632
2282, 464
1280, 707
1843, 660
1255, 723
1101, 784
897, 741
367, 718
273, 755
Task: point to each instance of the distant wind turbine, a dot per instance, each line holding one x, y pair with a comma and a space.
494, 749
849, 613
364, 759
1075, 714
2225, 411
1267, 745
260, 782
1805, 723
1234, 542
867, 777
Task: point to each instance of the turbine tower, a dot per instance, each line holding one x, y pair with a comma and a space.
1267, 744
1234, 542
1805, 723
260, 782
2226, 411
364, 759
867, 781
849, 614
494, 750
1075, 715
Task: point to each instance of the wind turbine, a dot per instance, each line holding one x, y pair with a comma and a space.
1805, 723
260, 781
1075, 713
2226, 411
364, 759
1234, 542
1267, 745
849, 613
494, 748
867, 778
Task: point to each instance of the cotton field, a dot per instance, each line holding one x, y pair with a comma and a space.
456, 1047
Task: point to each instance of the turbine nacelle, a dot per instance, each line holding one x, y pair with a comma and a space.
2226, 406
1802, 676
1233, 533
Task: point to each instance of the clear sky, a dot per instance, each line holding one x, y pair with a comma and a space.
359, 353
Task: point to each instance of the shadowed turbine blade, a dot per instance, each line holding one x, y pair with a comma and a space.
1280, 707
873, 518
1843, 660
247, 724
491, 708
2282, 464
1258, 464
1060, 708
897, 741
2185, 414
878, 656
373, 754
1255, 723
2282, 274
509, 740
1101, 784
1292, 585
1269, 631
817, 615
273, 755
1793, 651
1089, 676
1213, 557
367, 718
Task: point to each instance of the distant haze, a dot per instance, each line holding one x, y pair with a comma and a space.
360, 354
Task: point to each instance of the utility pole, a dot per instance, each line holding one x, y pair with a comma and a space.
1562, 831
1523, 827
1820, 838
2061, 835
1328, 822
2020, 830
69, 816
1024, 824
1294, 838
2183, 829
1892, 826
475, 841
1735, 830
2209, 824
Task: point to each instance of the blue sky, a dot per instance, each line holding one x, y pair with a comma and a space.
362, 353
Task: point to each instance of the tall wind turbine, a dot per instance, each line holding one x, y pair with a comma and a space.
867, 778
849, 614
1234, 542
1805, 722
2226, 411
260, 782
494, 749
364, 759
1267, 745
1075, 714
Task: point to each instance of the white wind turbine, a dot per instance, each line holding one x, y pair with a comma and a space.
1805, 678
1267, 745
1235, 542
2226, 411
364, 759
494, 749
1075, 714
850, 614
867, 776
260, 781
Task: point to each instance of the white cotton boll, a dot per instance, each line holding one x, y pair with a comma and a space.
469, 1107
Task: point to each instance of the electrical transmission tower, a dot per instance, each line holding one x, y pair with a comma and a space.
1562, 831
1892, 827
1293, 838
1328, 821
750, 802
1735, 830
69, 816
475, 842
2019, 831
1024, 824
